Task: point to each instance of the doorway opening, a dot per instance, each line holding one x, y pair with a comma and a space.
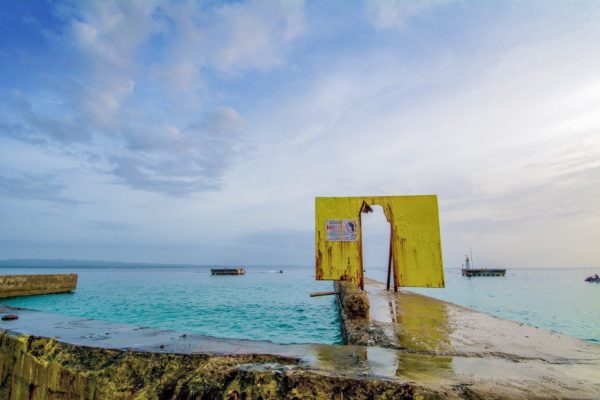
376, 246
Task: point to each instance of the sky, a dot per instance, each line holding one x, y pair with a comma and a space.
201, 131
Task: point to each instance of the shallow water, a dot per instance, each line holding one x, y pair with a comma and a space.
557, 299
262, 304
267, 305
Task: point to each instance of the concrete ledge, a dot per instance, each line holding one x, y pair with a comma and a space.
47, 356
356, 325
39, 369
27, 285
89, 359
354, 301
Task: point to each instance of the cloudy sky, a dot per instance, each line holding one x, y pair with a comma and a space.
200, 132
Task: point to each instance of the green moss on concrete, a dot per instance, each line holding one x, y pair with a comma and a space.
42, 369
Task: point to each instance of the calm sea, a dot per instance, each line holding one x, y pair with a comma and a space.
264, 304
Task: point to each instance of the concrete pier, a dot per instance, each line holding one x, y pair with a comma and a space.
27, 285
417, 348
443, 343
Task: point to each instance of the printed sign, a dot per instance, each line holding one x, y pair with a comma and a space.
334, 230
349, 229
341, 230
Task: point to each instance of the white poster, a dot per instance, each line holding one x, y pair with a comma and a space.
341, 230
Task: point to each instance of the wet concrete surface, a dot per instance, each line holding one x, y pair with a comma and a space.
446, 343
423, 324
434, 344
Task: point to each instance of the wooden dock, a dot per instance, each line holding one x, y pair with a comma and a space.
483, 272
227, 271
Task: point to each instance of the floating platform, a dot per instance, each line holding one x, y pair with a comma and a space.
228, 271
483, 272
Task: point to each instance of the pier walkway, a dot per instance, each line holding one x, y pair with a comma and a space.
445, 344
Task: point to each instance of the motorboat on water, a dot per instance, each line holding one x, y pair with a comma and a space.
593, 278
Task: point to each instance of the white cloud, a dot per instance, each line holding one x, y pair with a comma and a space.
144, 108
254, 35
229, 38
386, 14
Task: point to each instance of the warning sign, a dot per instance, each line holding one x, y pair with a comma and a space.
334, 230
341, 230
349, 229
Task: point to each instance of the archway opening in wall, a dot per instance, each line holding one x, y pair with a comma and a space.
375, 243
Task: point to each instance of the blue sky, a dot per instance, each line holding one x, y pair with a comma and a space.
200, 132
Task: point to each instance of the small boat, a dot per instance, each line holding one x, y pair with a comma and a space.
594, 278
227, 271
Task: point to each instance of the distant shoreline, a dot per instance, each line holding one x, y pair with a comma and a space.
67, 263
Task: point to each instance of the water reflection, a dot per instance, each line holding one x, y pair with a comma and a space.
421, 323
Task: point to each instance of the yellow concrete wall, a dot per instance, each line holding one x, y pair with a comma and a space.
416, 241
27, 285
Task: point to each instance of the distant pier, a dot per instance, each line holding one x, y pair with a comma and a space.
228, 271
483, 272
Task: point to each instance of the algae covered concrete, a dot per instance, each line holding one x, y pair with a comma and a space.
39, 369
27, 285
89, 359
356, 325
49, 356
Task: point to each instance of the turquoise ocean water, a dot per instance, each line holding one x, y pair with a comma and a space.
263, 304
267, 305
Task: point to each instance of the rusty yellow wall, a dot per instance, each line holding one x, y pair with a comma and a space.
416, 239
336, 259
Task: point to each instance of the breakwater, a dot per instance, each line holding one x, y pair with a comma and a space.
27, 285
416, 348
357, 327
